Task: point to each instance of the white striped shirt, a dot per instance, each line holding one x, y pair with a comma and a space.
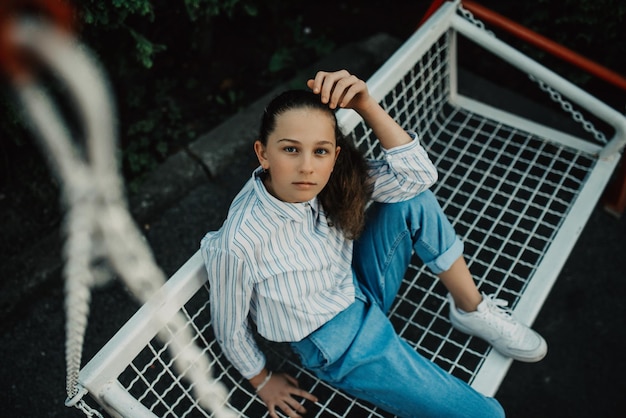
282, 265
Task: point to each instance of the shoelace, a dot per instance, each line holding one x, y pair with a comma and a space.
499, 309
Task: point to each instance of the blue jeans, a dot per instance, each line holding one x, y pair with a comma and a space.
359, 351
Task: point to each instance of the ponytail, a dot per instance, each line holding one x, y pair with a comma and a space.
346, 195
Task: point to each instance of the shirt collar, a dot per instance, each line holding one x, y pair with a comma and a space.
294, 211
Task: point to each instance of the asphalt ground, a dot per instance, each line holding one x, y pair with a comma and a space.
582, 319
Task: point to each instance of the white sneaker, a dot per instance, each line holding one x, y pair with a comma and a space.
496, 325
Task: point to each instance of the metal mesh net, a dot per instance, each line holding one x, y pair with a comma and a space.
506, 192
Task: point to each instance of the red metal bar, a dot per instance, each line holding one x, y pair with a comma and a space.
615, 196
546, 44
12, 61
614, 199
431, 10
536, 39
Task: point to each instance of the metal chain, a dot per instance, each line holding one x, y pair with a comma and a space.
87, 410
469, 16
555, 96
569, 108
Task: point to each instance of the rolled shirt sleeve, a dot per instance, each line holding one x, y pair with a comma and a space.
402, 173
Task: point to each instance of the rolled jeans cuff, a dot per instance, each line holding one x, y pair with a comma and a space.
444, 261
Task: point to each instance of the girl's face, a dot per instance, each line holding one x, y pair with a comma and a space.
300, 154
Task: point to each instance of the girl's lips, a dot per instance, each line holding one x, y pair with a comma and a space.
304, 184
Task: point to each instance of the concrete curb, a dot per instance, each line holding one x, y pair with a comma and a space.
182, 172
212, 151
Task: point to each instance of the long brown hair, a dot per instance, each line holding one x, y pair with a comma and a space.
345, 196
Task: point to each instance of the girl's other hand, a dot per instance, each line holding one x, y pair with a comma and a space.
279, 391
341, 89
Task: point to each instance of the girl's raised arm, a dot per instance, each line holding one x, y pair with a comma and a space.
342, 89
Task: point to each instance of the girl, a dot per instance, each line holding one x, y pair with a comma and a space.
301, 257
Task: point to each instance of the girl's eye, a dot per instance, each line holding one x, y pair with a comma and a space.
321, 151
290, 149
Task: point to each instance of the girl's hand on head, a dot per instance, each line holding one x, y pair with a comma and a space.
279, 391
341, 89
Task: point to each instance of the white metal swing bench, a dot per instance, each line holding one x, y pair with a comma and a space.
518, 193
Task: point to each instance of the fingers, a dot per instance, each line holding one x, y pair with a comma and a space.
304, 394
287, 410
295, 389
292, 380
337, 89
290, 406
324, 83
280, 392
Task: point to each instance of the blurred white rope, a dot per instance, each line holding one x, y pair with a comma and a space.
97, 224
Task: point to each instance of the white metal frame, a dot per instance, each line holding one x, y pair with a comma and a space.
100, 375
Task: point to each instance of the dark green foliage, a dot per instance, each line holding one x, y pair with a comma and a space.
178, 68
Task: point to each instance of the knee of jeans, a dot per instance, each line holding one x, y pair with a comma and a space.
424, 202
443, 262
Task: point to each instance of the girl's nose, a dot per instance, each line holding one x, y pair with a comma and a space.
306, 164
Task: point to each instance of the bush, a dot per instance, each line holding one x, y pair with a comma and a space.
179, 68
